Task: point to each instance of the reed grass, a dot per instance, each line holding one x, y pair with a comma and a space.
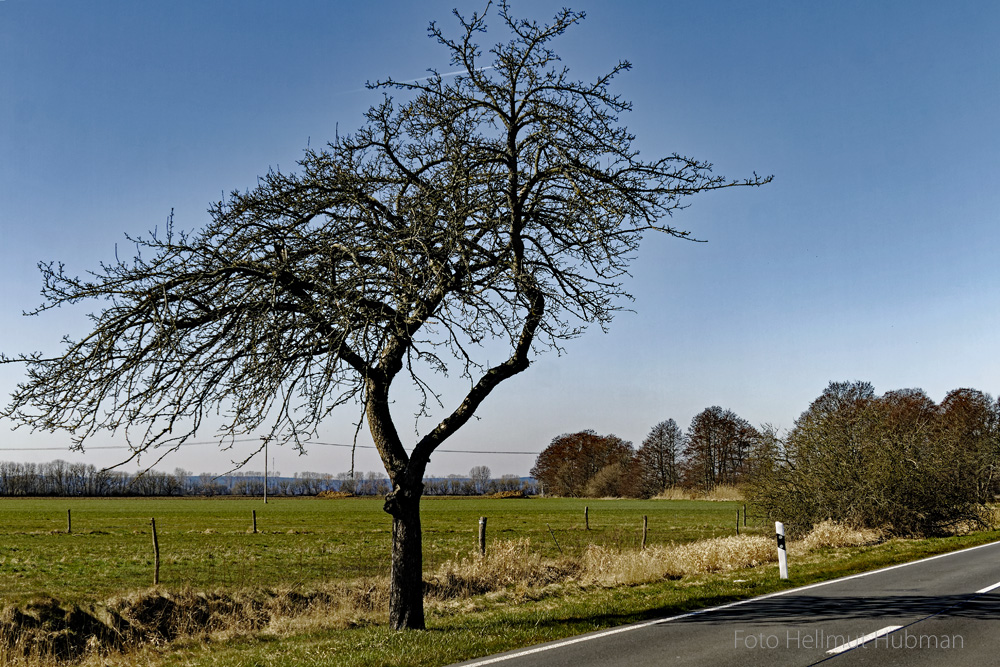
720, 493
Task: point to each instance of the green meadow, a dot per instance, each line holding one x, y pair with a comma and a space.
209, 542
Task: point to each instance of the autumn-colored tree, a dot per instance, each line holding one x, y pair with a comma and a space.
657, 463
718, 445
573, 460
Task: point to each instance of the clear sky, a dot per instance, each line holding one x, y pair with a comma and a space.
872, 255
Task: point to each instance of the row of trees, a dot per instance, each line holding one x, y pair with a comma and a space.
479, 482
898, 461
60, 478
719, 448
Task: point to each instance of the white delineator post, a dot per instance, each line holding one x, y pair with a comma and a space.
779, 529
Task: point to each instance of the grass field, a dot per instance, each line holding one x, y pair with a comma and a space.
208, 543
209, 553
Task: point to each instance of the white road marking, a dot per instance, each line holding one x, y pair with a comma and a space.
988, 588
645, 624
864, 640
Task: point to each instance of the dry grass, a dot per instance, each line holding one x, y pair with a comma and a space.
612, 567
513, 564
334, 495
832, 534
506, 563
723, 493
719, 493
519, 493
675, 493
990, 518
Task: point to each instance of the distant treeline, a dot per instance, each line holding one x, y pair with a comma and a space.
60, 478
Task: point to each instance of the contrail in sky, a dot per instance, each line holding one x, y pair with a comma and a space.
424, 78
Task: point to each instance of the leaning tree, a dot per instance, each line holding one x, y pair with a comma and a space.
499, 206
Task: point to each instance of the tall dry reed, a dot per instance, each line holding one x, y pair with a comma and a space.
506, 563
612, 567
723, 492
829, 533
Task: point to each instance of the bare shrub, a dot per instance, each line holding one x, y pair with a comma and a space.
609, 482
896, 462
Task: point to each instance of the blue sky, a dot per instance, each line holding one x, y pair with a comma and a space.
870, 256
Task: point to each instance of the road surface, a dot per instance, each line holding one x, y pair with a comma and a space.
941, 610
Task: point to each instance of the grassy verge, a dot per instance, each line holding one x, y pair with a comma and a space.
480, 625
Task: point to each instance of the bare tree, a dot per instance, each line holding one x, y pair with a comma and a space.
502, 204
480, 477
718, 446
658, 460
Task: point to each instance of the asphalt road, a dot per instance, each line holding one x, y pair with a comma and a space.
942, 610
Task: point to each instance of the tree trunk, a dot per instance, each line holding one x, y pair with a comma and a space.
406, 587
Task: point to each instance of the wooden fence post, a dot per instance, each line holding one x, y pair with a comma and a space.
69, 521
482, 535
645, 526
586, 517
156, 555
254, 521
